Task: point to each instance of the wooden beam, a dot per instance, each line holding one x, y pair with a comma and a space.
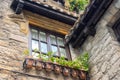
47, 23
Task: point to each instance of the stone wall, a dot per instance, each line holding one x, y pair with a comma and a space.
12, 42
103, 48
14, 39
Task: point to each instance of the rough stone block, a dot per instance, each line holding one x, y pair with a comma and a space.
114, 58
105, 77
112, 9
4, 43
97, 76
93, 71
108, 16
18, 38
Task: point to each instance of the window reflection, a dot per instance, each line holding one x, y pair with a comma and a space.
62, 52
52, 39
35, 45
43, 47
42, 36
34, 34
54, 50
60, 41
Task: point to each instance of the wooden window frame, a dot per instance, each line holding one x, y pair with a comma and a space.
66, 47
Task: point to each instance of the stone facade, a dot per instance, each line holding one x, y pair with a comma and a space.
103, 48
12, 43
14, 39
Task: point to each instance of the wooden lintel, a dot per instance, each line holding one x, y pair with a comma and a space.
47, 23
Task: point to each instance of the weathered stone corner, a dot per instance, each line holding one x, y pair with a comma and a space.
21, 21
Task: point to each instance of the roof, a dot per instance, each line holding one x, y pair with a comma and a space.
60, 9
86, 25
45, 9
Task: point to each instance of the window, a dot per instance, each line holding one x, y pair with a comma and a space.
45, 41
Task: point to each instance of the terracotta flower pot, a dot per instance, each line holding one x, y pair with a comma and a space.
82, 75
57, 69
74, 73
38, 65
28, 63
48, 67
66, 71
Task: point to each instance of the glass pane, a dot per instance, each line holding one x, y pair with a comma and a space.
42, 36
43, 47
44, 57
34, 34
54, 50
52, 39
62, 52
60, 41
35, 45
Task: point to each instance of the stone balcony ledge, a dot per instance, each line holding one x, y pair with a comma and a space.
53, 69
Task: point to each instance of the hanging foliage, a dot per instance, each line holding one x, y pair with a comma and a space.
76, 5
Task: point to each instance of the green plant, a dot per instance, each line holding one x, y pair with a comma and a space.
62, 61
50, 55
80, 62
26, 52
76, 5
46, 57
54, 59
84, 61
38, 52
76, 64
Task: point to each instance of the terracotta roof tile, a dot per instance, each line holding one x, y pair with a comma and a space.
62, 10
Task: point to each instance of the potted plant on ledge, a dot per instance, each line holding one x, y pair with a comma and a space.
76, 68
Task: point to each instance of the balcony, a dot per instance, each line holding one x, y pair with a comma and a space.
48, 64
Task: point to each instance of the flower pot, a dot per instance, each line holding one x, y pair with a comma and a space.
74, 73
57, 69
66, 71
28, 63
82, 75
48, 67
38, 65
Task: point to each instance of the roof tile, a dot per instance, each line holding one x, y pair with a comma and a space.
63, 10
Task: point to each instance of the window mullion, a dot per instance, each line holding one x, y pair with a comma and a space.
57, 46
30, 41
39, 40
48, 42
